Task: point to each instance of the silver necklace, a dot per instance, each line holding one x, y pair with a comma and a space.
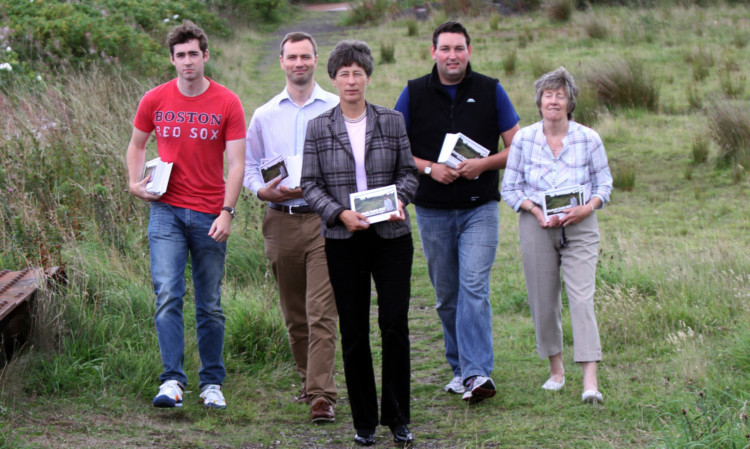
355, 120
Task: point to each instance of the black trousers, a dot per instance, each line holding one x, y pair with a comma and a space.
352, 263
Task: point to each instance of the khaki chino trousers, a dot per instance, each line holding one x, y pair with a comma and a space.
296, 251
543, 259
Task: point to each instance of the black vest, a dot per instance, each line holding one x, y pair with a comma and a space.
432, 114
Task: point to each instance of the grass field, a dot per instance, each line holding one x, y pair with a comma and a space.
672, 283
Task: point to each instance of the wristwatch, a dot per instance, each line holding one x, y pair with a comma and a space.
428, 169
229, 209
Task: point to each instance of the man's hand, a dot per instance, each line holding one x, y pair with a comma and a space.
221, 227
443, 174
139, 189
471, 168
354, 221
276, 194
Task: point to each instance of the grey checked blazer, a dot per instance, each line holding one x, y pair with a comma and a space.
328, 173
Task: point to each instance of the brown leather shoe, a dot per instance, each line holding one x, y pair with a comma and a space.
303, 397
322, 411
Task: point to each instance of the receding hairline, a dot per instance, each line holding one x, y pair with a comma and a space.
298, 36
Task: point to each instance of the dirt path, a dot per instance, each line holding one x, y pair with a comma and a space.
321, 21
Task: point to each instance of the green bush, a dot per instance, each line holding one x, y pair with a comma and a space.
558, 10
625, 83
110, 32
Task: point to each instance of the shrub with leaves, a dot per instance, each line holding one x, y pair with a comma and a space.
87, 32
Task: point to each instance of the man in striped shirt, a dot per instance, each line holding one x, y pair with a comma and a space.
291, 229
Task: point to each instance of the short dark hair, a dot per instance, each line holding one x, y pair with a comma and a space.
187, 32
451, 26
297, 36
347, 53
554, 80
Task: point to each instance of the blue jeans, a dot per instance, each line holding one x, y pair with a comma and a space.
173, 232
460, 246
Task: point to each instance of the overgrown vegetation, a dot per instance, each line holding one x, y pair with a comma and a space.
625, 83
48, 36
672, 282
730, 128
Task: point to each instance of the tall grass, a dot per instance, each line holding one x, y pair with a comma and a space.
625, 83
65, 203
729, 124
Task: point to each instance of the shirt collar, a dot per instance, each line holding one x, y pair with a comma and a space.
318, 94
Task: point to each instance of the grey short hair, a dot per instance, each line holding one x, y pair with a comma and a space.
297, 36
554, 80
347, 53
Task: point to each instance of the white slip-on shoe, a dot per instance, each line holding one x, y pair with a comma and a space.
551, 385
592, 397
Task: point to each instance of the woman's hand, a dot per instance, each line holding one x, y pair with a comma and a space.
354, 221
576, 214
399, 215
554, 221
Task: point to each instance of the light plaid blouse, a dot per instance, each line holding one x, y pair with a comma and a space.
531, 169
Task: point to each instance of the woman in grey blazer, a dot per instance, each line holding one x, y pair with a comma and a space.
354, 147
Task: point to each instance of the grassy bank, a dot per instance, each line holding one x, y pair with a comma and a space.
673, 278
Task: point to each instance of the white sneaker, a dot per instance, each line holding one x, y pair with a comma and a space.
479, 389
170, 395
212, 397
455, 386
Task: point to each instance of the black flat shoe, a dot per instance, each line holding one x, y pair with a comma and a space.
401, 435
366, 439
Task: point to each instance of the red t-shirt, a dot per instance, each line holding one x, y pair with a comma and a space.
192, 132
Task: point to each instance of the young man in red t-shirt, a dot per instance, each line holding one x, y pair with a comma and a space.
195, 121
